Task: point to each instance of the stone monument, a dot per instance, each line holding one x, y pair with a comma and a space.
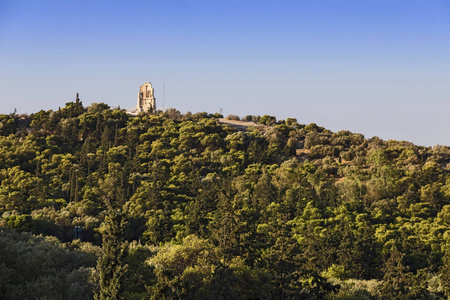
146, 99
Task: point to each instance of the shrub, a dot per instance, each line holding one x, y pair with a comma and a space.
232, 117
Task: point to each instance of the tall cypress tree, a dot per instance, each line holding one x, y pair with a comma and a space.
110, 265
396, 277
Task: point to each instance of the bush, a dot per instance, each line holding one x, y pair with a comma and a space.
232, 117
43, 268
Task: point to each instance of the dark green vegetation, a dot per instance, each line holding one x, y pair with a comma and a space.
179, 206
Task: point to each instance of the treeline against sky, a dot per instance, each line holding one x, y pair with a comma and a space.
180, 206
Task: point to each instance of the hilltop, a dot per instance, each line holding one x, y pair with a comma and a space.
201, 206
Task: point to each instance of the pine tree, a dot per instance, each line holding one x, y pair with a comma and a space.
110, 265
396, 279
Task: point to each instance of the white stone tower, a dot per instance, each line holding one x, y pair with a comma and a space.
146, 100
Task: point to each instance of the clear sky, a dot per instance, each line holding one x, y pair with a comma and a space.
377, 67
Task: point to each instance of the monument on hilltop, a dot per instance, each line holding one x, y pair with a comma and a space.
146, 99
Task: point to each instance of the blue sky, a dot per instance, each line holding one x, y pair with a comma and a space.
377, 67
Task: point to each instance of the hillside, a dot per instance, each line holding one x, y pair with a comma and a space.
199, 207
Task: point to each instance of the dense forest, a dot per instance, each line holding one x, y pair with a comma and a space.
96, 203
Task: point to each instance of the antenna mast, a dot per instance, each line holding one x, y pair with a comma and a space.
164, 94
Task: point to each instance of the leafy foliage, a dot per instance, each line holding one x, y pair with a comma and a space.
279, 210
